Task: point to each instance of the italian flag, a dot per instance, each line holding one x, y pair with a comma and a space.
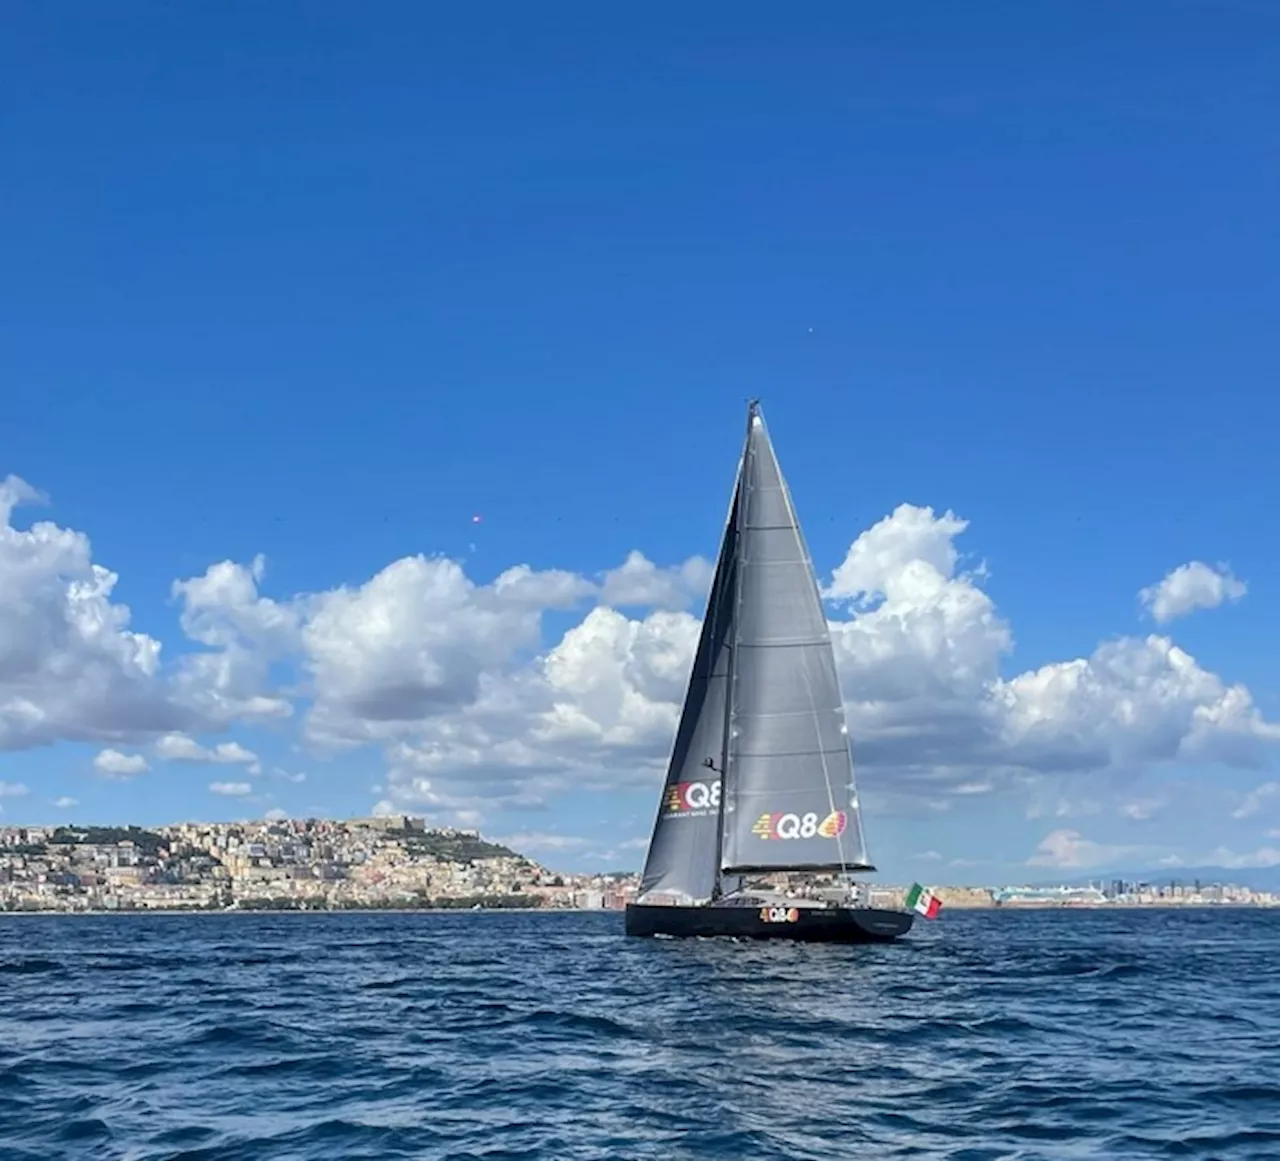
923, 900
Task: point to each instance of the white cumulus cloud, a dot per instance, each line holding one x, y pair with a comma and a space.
920, 658
638, 582
13, 789
115, 764
183, 748
244, 632
1191, 586
1256, 799
1142, 809
1070, 850
906, 551
231, 789
65, 802
420, 640
70, 666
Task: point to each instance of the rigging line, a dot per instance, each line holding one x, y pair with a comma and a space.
826, 773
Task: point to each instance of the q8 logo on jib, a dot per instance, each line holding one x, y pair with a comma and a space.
691, 797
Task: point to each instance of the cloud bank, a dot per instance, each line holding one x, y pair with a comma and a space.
473, 708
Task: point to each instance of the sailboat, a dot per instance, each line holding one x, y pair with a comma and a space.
760, 778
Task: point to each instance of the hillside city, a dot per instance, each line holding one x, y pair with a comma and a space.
397, 862
293, 864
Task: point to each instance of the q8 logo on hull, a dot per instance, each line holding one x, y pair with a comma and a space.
779, 914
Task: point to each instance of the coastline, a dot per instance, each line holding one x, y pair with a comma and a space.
120, 911
179, 911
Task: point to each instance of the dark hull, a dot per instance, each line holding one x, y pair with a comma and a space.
807, 924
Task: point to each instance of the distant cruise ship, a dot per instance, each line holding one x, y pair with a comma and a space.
1062, 896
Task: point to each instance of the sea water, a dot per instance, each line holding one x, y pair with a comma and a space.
1062, 1034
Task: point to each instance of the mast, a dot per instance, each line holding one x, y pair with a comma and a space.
731, 645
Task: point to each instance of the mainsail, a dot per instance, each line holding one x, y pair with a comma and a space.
791, 803
762, 720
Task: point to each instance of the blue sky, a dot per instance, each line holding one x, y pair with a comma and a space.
323, 283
